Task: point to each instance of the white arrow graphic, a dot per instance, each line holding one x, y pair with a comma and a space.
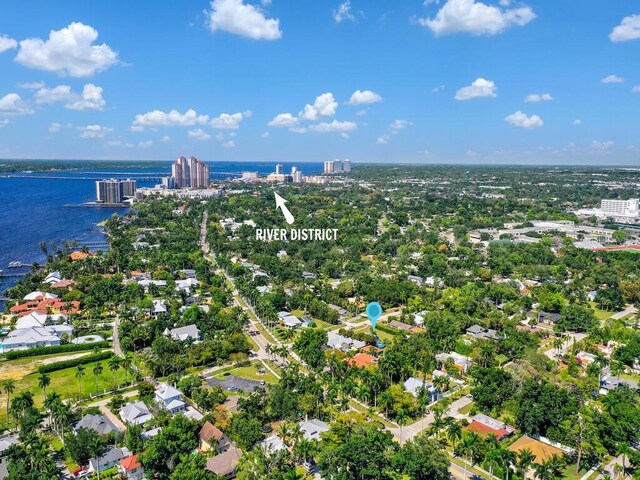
280, 203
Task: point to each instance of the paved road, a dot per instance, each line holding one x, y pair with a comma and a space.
102, 405
116, 338
630, 310
410, 431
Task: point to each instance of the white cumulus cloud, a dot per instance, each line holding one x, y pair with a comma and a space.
90, 99
598, 147
476, 18
69, 51
60, 93
165, 139
360, 97
12, 104
145, 144
284, 120
612, 79
636, 89
538, 97
229, 144
629, 29
234, 16
577, 122
334, 126
324, 106
383, 139
521, 120
198, 134
158, 118
229, 121
94, 131
7, 43
478, 89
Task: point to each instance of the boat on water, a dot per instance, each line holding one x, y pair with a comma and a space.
15, 264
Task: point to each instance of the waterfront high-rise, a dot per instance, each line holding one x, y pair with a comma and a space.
191, 173
279, 169
328, 167
346, 166
129, 188
110, 191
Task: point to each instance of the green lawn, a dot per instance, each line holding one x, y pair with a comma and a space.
600, 314
251, 372
66, 384
569, 472
466, 409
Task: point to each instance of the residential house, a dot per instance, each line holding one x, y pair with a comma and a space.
312, 429
170, 398
211, 438
485, 425
342, 313
585, 359
159, 308
187, 285
39, 295
135, 413
362, 360
108, 460
289, 320
273, 444
224, 465
145, 283
405, 327
6, 442
549, 318
335, 340
131, 468
460, 362
415, 387
481, 333
26, 338
309, 276
98, 423
53, 277
419, 317
188, 332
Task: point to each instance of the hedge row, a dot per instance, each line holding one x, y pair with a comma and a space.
96, 357
64, 348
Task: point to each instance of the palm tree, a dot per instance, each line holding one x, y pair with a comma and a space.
79, 374
44, 381
114, 366
61, 415
8, 386
508, 459
492, 458
97, 371
454, 434
401, 419
467, 447
525, 460
50, 402
126, 363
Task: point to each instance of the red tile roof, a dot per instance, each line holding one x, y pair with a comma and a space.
485, 430
362, 360
130, 463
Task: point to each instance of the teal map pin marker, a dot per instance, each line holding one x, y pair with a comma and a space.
374, 310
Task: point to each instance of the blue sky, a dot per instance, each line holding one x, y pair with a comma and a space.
449, 81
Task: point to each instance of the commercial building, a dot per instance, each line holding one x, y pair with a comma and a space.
190, 173
620, 210
249, 175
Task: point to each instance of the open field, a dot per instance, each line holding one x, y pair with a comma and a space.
21, 367
251, 372
66, 384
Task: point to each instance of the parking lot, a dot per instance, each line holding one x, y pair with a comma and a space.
233, 383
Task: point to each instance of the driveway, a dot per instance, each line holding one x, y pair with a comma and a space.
102, 405
233, 383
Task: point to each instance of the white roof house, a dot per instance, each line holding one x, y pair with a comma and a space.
136, 413
289, 320
187, 284
343, 343
37, 319
110, 459
159, 307
189, 332
39, 295
415, 385
25, 338
273, 444
313, 428
170, 398
145, 283
53, 277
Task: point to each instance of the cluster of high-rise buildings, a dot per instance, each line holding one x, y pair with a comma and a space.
188, 173
332, 167
113, 191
